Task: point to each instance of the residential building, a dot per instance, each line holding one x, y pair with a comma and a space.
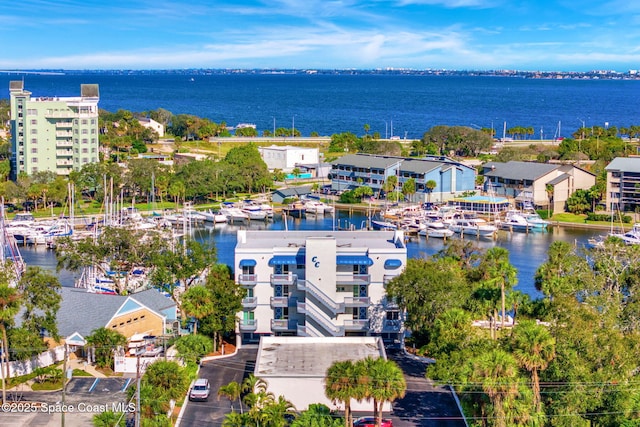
623, 184
153, 125
451, 178
148, 312
287, 157
53, 133
537, 183
318, 283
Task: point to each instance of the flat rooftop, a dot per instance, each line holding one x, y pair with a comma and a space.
310, 356
269, 239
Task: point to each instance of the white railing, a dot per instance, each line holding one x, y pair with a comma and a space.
250, 302
357, 301
326, 300
320, 318
356, 324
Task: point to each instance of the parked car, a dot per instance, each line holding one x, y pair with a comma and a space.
371, 422
200, 390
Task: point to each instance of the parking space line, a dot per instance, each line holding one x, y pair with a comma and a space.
93, 386
126, 384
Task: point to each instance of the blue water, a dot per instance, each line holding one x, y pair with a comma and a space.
390, 104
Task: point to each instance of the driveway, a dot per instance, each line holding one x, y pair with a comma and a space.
219, 372
424, 404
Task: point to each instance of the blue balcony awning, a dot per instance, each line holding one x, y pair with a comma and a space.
353, 260
286, 260
390, 264
247, 263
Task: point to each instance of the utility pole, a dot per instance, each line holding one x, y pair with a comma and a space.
64, 383
137, 412
4, 381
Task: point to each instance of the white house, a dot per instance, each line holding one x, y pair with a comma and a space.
318, 283
152, 124
287, 158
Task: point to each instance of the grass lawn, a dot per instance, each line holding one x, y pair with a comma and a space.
47, 385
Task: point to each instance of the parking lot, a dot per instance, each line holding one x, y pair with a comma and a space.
84, 397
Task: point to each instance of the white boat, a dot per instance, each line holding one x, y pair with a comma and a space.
514, 220
535, 220
438, 233
477, 227
215, 217
317, 207
631, 237
383, 225
233, 213
254, 212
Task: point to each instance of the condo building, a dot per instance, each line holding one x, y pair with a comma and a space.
57, 134
319, 283
623, 184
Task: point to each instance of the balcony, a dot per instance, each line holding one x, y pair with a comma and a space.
283, 279
250, 302
248, 325
247, 280
356, 325
357, 301
64, 125
279, 302
64, 153
353, 279
283, 325
64, 163
65, 143
63, 134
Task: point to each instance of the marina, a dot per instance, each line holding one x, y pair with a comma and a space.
527, 250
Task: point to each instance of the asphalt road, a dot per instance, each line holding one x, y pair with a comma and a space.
219, 372
424, 404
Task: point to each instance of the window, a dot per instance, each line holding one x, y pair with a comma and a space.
34, 122
85, 150
84, 121
85, 160
34, 131
34, 140
85, 141
34, 150
85, 131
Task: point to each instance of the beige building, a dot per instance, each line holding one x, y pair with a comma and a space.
623, 184
528, 181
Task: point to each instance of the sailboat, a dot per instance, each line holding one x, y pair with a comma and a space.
9, 251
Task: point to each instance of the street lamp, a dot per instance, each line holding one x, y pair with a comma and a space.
274, 126
293, 126
386, 130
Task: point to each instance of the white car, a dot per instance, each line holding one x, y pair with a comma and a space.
200, 390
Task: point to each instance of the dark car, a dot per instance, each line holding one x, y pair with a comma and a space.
371, 422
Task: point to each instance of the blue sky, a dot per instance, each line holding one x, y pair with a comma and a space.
552, 35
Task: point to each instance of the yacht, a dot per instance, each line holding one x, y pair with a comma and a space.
317, 207
254, 212
474, 227
535, 220
436, 229
234, 214
631, 237
215, 217
514, 220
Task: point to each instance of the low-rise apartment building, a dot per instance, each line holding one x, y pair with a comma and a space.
318, 283
623, 184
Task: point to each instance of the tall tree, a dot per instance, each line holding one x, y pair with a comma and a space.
496, 372
342, 385
197, 301
384, 383
533, 348
41, 300
9, 308
498, 271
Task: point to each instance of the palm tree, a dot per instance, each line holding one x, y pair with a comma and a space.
496, 371
386, 384
231, 391
430, 186
197, 301
341, 384
549, 189
499, 271
274, 414
533, 348
9, 308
